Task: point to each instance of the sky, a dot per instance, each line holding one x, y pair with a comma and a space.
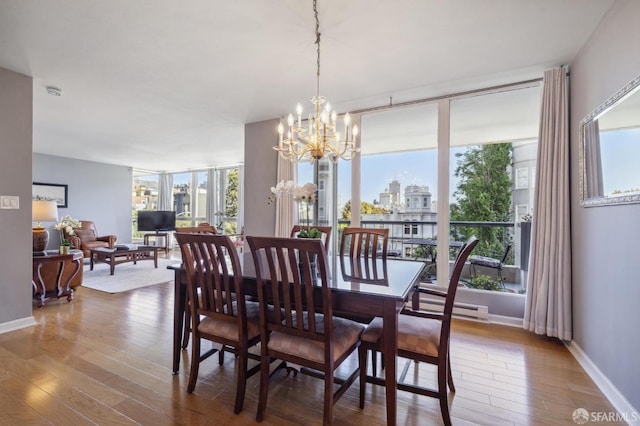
620, 151
409, 168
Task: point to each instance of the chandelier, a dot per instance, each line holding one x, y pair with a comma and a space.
320, 137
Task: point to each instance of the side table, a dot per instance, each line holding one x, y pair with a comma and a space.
59, 289
156, 236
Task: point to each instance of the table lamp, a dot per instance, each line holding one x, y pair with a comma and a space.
42, 211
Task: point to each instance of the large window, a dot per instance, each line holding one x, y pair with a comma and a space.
194, 199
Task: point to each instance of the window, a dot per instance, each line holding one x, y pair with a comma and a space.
414, 229
407, 229
521, 210
522, 178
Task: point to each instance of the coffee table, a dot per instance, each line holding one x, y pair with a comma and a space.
124, 254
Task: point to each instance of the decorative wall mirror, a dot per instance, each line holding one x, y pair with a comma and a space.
610, 150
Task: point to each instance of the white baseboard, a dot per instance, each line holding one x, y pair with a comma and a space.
614, 396
8, 326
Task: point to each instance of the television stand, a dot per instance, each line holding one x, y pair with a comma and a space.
156, 235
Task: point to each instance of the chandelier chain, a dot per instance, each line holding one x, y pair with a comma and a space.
320, 137
315, 14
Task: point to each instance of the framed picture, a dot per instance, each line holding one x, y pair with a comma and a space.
50, 192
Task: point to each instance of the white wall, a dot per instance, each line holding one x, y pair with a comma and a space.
16, 123
97, 192
606, 277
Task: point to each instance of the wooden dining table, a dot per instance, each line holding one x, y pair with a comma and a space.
349, 295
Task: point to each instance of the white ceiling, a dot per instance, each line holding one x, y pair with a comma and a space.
166, 85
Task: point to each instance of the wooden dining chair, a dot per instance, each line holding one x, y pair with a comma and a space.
219, 311
324, 230
364, 242
302, 329
422, 337
203, 228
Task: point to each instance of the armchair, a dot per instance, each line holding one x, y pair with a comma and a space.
86, 238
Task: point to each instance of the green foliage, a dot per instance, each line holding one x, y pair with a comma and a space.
311, 233
483, 194
483, 282
365, 208
231, 195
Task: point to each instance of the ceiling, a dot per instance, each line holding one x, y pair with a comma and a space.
165, 86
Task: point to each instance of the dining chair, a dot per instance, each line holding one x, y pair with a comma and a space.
364, 242
324, 230
302, 329
490, 262
364, 250
422, 337
219, 311
203, 228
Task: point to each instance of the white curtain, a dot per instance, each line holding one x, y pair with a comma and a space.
210, 217
165, 193
548, 303
285, 215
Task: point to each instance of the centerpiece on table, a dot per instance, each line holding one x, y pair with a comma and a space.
66, 225
304, 195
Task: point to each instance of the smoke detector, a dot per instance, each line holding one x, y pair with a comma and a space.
54, 91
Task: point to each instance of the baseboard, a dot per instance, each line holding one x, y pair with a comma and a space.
8, 326
503, 320
623, 407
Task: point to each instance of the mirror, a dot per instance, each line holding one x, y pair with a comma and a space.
610, 149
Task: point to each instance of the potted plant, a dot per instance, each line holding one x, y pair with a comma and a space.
66, 225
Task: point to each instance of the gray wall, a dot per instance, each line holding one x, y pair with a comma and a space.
16, 123
606, 282
98, 192
260, 175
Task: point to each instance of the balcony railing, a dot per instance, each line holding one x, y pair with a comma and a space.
401, 232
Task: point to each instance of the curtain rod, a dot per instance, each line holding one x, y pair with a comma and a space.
454, 95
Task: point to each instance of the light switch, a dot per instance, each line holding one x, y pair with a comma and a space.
9, 202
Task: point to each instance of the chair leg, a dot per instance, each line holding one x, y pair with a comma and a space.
362, 359
221, 355
442, 392
187, 328
265, 362
374, 362
327, 417
195, 365
241, 384
449, 374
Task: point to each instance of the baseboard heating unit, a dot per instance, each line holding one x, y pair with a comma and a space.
466, 310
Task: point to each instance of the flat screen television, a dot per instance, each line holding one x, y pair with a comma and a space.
154, 221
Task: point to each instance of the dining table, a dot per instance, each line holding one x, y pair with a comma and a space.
350, 294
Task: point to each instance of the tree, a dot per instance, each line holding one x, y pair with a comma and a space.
483, 194
231, 194
365, 208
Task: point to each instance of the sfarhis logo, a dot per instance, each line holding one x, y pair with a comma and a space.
580, 416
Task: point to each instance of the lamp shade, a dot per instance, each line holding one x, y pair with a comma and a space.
44, 211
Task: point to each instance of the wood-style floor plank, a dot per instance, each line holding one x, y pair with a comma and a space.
106, 359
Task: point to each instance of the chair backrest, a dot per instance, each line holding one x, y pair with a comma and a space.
86, 232
506, 252
213, 275
458, 265
364, 242
284, 269
325, 230
200, 229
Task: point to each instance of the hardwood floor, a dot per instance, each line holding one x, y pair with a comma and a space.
106, 359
